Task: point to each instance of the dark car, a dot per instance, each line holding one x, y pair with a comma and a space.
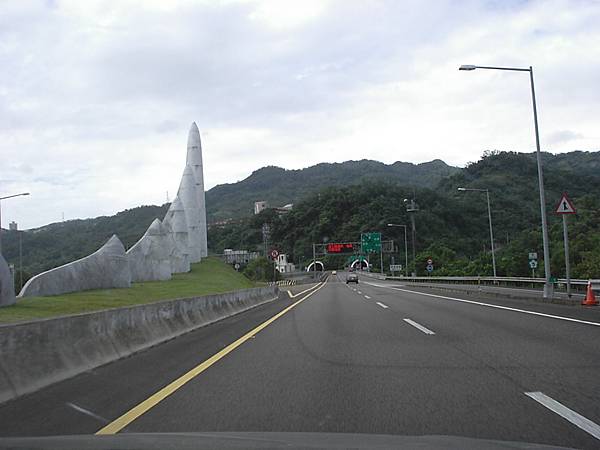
351, 278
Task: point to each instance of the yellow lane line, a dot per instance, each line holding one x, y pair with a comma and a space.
145, 406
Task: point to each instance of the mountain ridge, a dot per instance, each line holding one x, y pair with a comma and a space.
236, 200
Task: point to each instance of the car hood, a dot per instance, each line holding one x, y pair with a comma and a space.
239, 440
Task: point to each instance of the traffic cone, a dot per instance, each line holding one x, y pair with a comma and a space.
590, 298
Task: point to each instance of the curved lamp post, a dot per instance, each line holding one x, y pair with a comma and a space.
548, 287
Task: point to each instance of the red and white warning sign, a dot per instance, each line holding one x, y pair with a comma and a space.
565, 206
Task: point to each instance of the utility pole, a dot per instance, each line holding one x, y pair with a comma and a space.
4, 198
20, 259
314, 262
411, 209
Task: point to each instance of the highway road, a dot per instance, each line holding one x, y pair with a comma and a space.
376, 357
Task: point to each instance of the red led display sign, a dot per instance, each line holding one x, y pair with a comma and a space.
335, 247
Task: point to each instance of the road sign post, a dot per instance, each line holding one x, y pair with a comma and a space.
274, 254
429, 266
564, 208
533, 263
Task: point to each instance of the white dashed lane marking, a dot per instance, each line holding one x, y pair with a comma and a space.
576, 419
418, 326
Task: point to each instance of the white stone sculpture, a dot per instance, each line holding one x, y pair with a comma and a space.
108, 267
194, 160
149, 257
7, 289
187, 195
166, 248
176, 231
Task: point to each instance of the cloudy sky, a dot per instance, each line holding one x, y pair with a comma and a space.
96, 97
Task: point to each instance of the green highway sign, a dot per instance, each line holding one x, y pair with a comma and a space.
370, 242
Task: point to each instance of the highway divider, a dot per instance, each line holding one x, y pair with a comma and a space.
42, 352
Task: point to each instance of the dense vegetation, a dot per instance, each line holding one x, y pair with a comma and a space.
452, 226
62, 242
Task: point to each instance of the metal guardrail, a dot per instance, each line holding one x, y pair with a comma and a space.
499, 281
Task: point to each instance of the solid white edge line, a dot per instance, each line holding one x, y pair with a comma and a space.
382, 305
576, 419
418, 326
489, 305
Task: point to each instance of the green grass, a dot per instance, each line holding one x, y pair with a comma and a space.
211, 276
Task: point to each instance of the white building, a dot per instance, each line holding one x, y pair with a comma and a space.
283, 266
231, 256
260, 206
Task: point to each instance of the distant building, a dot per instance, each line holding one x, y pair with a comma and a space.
231, 256
283, 266
260, 206
13, 226
284, 209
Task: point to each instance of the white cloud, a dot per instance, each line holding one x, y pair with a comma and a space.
96, 97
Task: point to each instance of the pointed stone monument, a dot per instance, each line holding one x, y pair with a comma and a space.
7, 289
149, 257
194, 160
176, 229
187, 195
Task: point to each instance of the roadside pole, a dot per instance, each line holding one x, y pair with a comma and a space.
567, 262
565, 207
381, 257
314, 263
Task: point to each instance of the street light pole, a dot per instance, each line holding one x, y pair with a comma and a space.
548, 287
411, 209
487, 193
4, 198
405, 247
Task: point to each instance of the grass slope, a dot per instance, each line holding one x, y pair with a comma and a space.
211, 276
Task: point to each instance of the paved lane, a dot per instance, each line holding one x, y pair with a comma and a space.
378, 361
343, 363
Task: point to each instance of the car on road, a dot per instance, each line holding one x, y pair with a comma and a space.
334, 272
352, 278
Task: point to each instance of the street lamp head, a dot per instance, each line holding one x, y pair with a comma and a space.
461, 189
467, 67
25, 193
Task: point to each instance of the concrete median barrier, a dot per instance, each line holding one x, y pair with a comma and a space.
39, 353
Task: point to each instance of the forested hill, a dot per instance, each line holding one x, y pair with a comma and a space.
62, 242
452, 226
279, 186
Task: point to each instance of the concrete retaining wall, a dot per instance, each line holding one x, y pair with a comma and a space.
36, 354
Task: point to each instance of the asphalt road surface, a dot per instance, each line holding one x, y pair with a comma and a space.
376, 357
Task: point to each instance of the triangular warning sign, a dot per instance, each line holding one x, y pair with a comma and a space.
565, 206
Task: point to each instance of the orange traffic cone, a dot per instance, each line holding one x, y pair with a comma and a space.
590, 298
